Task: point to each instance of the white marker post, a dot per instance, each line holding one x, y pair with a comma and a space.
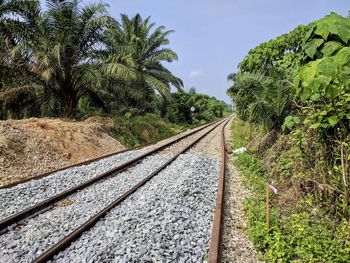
273, 189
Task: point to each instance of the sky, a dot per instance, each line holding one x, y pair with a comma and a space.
212, 36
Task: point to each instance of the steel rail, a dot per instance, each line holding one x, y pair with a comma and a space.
215, 248
67, 240
4, 223
39, 176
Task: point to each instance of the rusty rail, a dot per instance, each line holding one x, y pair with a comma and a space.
4, 223
215, 248
67, 240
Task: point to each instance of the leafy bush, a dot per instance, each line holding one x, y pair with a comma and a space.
308, 236
206, 108
137, 130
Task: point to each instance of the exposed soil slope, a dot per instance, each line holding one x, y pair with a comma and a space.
34, 146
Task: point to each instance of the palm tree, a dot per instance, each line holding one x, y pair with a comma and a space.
55, 49
141, 50
265, 100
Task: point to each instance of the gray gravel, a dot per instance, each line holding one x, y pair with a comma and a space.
14, 199
39, 233
167, 220
27, 194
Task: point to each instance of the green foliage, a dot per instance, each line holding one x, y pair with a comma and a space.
284, 51
132, 131
68, 52
262, 89
52, 49
312, 160
324, 86
323, 90
242, 133
309, 236
264, 100
326, 36
205, 108
141, 50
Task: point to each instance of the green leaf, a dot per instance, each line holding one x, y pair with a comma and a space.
333, 24
341, 27
322, 29
315, 125
307, 73
330, 47
343, 56
305, 94
333, 120
327, 67
311, 46
332, 91
315, 97
296, 81
288, 118
315, 85
128, 115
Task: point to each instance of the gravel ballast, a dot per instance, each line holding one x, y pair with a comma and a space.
30, 193
24, 195
168, 219
39, 233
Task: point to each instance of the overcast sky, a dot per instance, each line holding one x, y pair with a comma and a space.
213, 36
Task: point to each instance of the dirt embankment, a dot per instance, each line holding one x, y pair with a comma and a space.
34, 146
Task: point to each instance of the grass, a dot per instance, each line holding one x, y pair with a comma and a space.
242, 133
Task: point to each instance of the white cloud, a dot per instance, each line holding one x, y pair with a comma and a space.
195, 74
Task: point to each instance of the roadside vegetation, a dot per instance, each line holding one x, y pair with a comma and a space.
292, 98
71, 60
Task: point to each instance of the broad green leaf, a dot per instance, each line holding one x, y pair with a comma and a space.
288, 118
341, 27
315, 85
315, 125
311, 46
343, 56
332, 91
327, 66
309, 32
324, 80
305, 94
307, 73
333, 24
306, 121
322, 29
315, 97
330, 47
333, 120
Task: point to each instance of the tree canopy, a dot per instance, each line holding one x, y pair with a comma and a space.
56, 59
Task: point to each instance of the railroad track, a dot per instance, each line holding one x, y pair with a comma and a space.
40, 176
18, 219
